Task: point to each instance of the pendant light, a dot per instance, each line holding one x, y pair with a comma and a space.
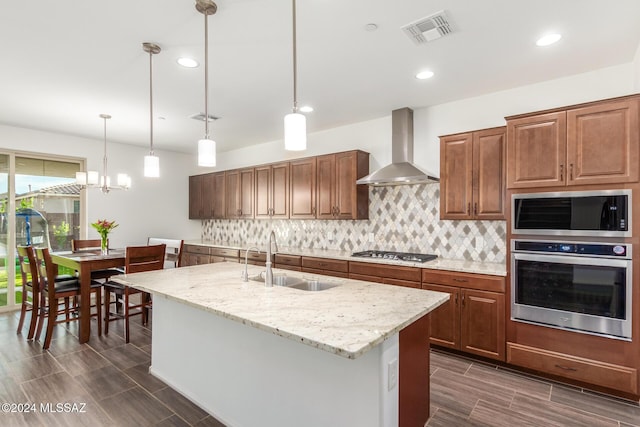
151, 162
206, 146
92, 179
295, 124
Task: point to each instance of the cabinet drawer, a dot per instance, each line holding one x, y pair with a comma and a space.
195, 249
287, 260
586, 370
411, 274
257, 257
464, 280
230, 253
199, 259
325, 272
325, 264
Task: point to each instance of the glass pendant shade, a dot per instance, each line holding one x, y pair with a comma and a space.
151, 166
81, 178
93, 178
206, 153
295, 132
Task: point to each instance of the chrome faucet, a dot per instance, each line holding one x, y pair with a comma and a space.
245, 274
268, 277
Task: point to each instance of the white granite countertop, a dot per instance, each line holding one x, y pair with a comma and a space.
491, 268
348, 319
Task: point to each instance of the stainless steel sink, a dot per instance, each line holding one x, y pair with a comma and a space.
297, 283
313, 285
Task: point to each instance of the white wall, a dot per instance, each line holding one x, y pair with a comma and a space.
636, 70
481, 112
151, 207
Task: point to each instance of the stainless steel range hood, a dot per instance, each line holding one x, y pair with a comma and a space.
401, 171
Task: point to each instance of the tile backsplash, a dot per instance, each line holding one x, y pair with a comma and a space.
401, 218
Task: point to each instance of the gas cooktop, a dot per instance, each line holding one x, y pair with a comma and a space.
396, 256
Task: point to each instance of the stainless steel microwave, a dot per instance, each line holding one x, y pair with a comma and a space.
604, 213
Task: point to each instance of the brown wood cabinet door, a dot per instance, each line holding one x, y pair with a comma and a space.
445, 320
263, 191
208, 191
303, 188
482, 329
456, 177
602, 143
246, 193
536, 151
326, 181
219, 196
232, 181
345, 186
489, 147
280, 190
195, 197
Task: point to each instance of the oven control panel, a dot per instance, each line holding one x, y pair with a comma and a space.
616, 250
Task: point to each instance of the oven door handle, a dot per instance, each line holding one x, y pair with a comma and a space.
568, 259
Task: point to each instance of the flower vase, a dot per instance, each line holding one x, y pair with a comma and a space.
104, 249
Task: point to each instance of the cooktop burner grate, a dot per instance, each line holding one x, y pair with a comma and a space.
396, 256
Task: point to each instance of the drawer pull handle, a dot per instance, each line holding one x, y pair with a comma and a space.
460, 280
566, 368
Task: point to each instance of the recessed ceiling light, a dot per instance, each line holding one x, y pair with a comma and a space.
548, 39
423, 75
306, 109
188, 62
370, 27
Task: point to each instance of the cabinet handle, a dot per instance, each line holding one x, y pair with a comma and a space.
570, 171
463, 299
455, 279
323, 264
313, 211
566, 368
561, 172
475, 208
455, 300
337, 210
469, 208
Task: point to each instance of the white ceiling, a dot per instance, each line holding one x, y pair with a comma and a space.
66, 61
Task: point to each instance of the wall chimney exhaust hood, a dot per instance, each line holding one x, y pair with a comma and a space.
401, 171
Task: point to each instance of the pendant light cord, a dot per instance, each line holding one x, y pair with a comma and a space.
295, 61
206, 76
151, 101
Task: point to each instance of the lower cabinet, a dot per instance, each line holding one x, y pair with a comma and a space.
198, 254
288, 262
473, 320
325, 266
594, 372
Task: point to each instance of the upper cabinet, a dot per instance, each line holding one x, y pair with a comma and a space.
315, 187
272, 191
472, 175
207, 196
302, 187
596, 143
338, 196
239, 191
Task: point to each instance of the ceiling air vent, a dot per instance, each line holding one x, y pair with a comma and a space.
200, 117
429, 28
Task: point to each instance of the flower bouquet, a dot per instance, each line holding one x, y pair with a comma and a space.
104, 227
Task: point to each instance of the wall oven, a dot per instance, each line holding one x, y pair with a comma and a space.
578, 286
603, 213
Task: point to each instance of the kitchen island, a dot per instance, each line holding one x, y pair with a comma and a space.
352, 355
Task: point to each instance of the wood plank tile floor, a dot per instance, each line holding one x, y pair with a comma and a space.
465, 392
109, 381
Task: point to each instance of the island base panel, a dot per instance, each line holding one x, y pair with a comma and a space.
245, 376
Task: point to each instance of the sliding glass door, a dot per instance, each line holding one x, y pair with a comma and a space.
40, 205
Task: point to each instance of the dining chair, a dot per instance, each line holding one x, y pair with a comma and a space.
29, 274
173, 252
137, 259
93, 245
50, 296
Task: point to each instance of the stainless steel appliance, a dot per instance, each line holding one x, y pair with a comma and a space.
396, 256
583, 287
605, 213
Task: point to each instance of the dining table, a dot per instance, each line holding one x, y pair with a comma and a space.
84, 262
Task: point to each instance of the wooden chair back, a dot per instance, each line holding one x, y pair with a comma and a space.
28, 269
47, 270
144, 258
86, 244
173, 252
